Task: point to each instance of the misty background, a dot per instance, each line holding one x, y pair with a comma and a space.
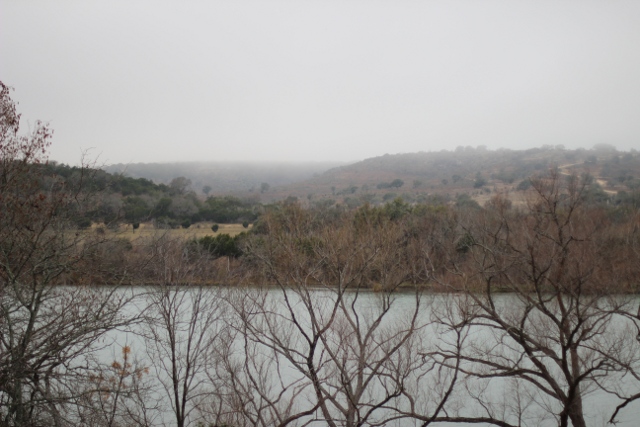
161, 81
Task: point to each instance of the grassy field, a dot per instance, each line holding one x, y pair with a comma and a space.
197, 230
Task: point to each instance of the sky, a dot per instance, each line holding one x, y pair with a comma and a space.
272, 80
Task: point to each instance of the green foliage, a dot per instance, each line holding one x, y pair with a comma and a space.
83, 223
222, 245
127, 199
465, 243
628, 199
464, 201
352, 202
349, 190
633, 184
480, 181
163, 207
396, 209
595, 195
135, 209
132, 186
506, 177
138, 199
396, 183
227, 210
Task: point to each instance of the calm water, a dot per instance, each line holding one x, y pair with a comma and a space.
597, 404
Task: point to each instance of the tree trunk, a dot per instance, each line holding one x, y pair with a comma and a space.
574, 408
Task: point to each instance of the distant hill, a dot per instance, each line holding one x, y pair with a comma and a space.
465, 177
225, 177
477, 172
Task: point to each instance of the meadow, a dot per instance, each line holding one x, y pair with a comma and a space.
195, 231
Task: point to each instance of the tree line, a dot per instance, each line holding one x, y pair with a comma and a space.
121, 199
380, 315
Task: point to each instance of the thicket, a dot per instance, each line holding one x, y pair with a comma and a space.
134, 200
222, 245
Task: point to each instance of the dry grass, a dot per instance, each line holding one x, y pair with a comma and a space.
197, 231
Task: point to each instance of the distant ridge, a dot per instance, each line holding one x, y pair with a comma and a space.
477, 172
225, 177
474, 171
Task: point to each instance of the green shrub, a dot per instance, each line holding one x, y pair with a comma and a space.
221, 245
524, 185
83, 223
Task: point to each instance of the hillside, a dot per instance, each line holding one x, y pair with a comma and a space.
422, 176
224, 177
474, 171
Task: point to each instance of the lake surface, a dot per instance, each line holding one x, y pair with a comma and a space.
257, 313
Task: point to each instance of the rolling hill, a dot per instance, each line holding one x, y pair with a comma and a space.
477, 172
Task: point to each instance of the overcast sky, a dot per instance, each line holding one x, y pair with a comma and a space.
149, 81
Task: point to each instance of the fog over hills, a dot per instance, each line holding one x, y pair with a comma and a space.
475, 171
321, 80
225, 177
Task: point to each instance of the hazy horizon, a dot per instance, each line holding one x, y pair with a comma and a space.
325, 81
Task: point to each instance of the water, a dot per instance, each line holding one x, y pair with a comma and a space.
267, 333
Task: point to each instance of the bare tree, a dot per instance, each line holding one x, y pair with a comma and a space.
564, 329
183, 328
118, 394
332, 341
47, 331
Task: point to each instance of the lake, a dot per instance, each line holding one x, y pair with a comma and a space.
264, 348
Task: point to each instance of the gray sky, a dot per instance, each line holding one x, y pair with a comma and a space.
148, 81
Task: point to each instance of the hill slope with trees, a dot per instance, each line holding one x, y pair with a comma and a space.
476, 172
224, 177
